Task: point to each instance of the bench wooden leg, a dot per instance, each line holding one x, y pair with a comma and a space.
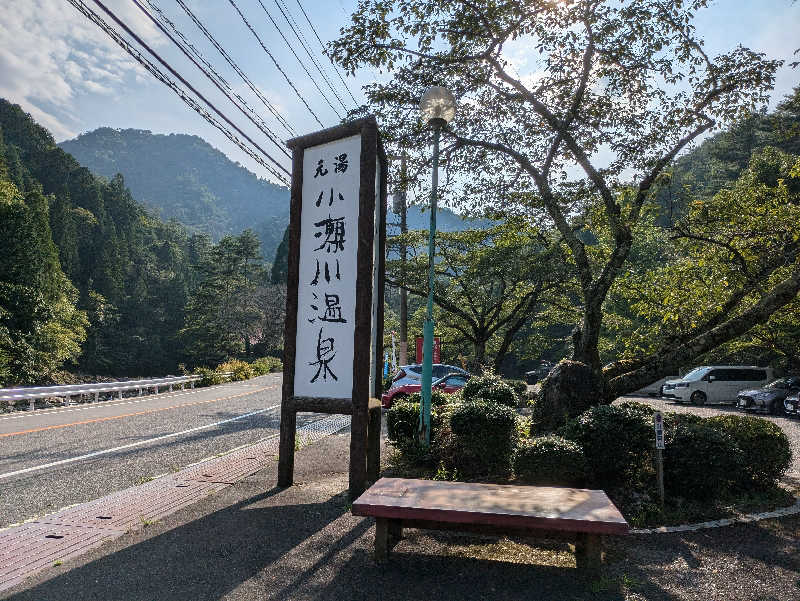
588, 551
387, 534
381, 539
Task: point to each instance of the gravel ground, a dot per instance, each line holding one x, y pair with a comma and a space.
256, 542
791, 426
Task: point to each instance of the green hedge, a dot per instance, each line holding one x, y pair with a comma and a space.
490, 387
482, 438
701, 462
210, 377
550, 461
266, 365
519, 386
241, 370
766, 452
438, 398
616, 442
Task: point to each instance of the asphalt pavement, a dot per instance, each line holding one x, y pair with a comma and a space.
54, 458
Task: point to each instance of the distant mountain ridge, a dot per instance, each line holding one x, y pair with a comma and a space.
183, 177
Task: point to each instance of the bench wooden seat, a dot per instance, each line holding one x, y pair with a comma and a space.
582, 515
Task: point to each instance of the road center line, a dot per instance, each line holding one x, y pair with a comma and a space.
112, 417
133, 444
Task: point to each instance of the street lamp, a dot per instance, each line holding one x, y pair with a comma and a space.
438, 108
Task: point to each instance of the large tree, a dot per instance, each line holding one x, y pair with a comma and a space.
489, 283
612, 90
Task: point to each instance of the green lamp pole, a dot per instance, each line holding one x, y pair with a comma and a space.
438, 108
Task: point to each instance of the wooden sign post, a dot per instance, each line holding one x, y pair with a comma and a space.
334, 302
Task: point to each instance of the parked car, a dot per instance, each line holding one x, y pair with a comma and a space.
412, 374
771, 397
791, 404
533, 376
449, 383
716, 383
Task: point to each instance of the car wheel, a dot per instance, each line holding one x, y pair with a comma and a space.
698, 398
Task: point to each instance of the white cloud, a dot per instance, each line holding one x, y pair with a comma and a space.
50, 54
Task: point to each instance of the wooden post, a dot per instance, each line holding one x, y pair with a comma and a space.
374, 441
381, 539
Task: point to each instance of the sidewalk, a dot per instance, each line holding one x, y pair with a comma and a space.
252, 541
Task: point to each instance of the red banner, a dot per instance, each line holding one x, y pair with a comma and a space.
437, 349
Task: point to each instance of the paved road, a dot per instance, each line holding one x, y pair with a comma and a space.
54, 458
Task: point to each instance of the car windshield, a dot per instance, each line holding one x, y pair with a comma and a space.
781, 383
696, 374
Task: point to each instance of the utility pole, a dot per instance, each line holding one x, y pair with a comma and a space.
403, 257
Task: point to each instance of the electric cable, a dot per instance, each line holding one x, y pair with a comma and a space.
158, 74
289, 45
166, 65
286, 77
215, 77
264, 100
325, 51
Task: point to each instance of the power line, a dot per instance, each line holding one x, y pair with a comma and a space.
158, 74
325, 52
304, 43
166, 65
236, 68
314, 81
215, 77
286, 77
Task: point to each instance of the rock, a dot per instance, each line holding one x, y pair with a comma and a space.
569, 390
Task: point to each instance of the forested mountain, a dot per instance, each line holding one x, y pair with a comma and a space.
720, 159
90, 277
184, 178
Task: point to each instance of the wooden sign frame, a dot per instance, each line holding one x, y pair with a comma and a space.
364, 409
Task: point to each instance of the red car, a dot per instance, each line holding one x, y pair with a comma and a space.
449, 383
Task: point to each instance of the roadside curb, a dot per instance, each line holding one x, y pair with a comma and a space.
745, 519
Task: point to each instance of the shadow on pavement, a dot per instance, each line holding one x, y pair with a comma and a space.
201, 560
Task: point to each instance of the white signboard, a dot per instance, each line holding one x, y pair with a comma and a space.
326, 294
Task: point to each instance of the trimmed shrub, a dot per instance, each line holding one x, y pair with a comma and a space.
241, 370
210, 377
616, 442
482, 438
438, 398
518, 386
266, 365
550, 461
402, 421
766, 452
490, 387
641, 408
701, 462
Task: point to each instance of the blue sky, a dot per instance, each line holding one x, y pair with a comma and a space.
64, 71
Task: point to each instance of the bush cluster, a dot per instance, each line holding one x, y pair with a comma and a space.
765, 449
475, 434
491, 388
482, 438
519, 386
239, 370
267, 365
438, 398
615, 440
550, 461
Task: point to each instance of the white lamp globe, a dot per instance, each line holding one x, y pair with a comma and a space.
438, 106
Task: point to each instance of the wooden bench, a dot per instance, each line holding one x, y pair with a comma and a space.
582, 515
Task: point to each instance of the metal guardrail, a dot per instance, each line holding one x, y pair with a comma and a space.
31, 393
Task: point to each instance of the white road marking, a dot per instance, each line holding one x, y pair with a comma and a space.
131, 445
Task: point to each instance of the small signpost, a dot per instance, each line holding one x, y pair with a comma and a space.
658, 423
334, 303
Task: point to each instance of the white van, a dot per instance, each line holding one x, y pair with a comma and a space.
716, 383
